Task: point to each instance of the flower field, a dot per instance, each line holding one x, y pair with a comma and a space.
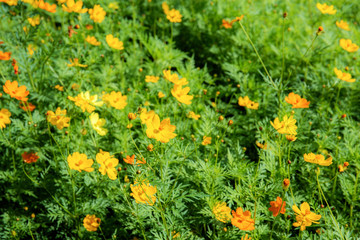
146, 119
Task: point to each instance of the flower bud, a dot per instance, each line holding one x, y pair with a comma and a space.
286, 184
231, 122
131, 116
221, 118
150, 148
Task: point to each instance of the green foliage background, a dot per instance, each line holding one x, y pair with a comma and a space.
190, 177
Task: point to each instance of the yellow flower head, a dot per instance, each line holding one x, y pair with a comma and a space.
75, 63
161, 131
85, 101
326, 9
222, 212
60, 88
343, 25
246, 102
304, 217
193, 115
58, 118
206, 140
80, 162
114, 42
348, 45
343, 75
34, 21
10, 2
262, 146
92, 40
287, 126
174, 16
296, 101
152, 79
161, 94
174, 78
291, 138
113, 5
108, 164
181, 94
71, 6
318, 159
46, 6
4, 118
165, 7
143, 192
91, 223
31, 49
145, 116
97, 14
115, 99
98, 123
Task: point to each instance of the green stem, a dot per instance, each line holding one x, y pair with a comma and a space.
354, 198
262, 63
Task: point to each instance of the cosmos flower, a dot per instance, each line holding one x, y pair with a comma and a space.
305, 217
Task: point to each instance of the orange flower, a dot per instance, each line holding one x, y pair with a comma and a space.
206, 140
260, 145
246, 102
227, 24
246, 237
27, 106
343, 75
286, 183
343, 25
243, 220
277, 206
152, 79
161, 131
348, 45
131, 160
318, 159
91, 223
58, 118
5, 55
326, 9
46, 6
174, 16
97, 14
29, 157
14, 91
181, 94
291, 138
75, 63
10, 2
296, 101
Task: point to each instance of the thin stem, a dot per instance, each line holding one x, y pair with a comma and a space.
262, 63
353, 198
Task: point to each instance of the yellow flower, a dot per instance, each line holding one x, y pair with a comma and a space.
58, 118
10, 2
143, 192
113, 5
287, 126
85, 101
46, 6
161, 131
174, 16
174, 78
97, 14
75, 63
246, 102
326, 9
193, 115
343, 76
79, 161
114, 42
71, 6
317, 159
91, 223
222, 212
97, 124
60, 88
343, 25
115, 99
4, 118
34, 21
108, 164
161, 94
165, 7
304, 217
145, 116
347, 45
92, 40
152, 79
206, 140
181, 94
31, 49
296, 101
